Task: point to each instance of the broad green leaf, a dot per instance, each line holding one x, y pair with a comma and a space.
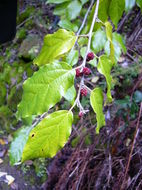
116, 10
98, 40
45, 88
73, 9
117, 50
139, 3
93, 62
83, 51
66, 24
70, 95
49, 136
109, 37
83, 41
129, 4
18, 143
57, 1
60, 9
72, 57
55, 45
96, 100
104, 67
118, 44
117, 37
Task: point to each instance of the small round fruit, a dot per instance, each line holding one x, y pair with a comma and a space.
90, 56
78, 73
80, 114
86, 71
83, 92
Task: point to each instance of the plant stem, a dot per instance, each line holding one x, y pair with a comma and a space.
78, 95
90, 32
83, 23
77, 101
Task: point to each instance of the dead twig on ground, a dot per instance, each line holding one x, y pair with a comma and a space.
132, 147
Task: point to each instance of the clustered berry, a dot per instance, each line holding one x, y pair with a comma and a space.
90, 56
86, 71
83, 92
78, 73
80, 114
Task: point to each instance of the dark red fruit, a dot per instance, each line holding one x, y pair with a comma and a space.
90, 56
86, 71
80, 114
78, 73
83, 92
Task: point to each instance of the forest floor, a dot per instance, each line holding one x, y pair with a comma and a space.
109, 160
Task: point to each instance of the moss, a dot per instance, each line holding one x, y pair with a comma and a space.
21, 34
29, 11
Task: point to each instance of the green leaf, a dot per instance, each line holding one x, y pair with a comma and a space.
98, 40
96, 100
72, 57
66, 24
137, 96
73, 9
83, 51
57, 1
60, 9
70, 95
129, 4
18, 143
49, 136
116, 10
108, 30
139, 3
55, 45
117, 50
45, 88
117, 37
118, 44
104, 67
109, 37
102, 14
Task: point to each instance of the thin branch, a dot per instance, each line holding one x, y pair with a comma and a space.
77, 101
85, 18
83, 23
90, 32
37, 120
78, 95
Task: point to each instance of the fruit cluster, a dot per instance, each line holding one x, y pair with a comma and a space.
85, 71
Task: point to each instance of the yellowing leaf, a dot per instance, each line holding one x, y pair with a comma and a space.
104, 67
49, 136
96, 100
55, 45
109, 37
